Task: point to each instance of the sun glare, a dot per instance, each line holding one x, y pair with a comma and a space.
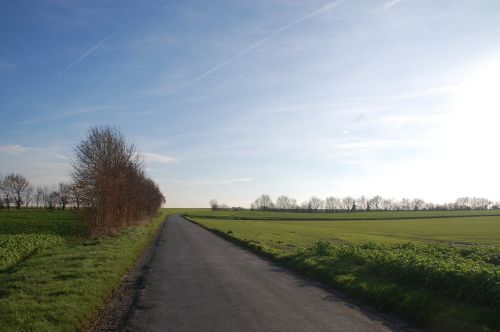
477, 108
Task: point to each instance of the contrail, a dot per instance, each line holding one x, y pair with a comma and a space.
93, 48
261, 42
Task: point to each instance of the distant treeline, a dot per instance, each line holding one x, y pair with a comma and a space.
362, 203
109, 182
16, 191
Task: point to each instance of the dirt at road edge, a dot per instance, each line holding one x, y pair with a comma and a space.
122, 302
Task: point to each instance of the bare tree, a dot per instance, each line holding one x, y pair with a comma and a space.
1, 192
387, 204
64, 194
283, 203
315, 203
361, 202
406, 204
114, 187
28, 195
264, 202
76, 195
16, 186
52, 198
418, 204
38, 196
347, 203
376, 202
214, 205
45, 197
330, 204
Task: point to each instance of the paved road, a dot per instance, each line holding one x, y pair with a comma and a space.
197, 281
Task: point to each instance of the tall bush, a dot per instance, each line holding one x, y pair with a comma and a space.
110, 176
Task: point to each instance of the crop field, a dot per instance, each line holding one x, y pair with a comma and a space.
53, 278
284, 234
440, 272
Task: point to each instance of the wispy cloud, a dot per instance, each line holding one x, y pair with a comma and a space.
13, 148
261, 42
389, 4
368, 152
149, 156
73, 112
204, 182
6, 65
93, 48
422, 93
237, 180
187, 182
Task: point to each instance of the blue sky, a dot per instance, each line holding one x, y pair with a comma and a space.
232, 99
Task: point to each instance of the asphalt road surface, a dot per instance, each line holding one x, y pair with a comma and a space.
197, 281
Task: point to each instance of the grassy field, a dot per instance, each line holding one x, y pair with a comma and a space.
284, 234
54, 279
438, 269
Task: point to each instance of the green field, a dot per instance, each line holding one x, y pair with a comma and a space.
52, 278
438, 269
282, 234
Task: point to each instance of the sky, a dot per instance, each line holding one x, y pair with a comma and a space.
233, 99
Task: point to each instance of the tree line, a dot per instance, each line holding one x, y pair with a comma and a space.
350, 204
108, 182
16, 191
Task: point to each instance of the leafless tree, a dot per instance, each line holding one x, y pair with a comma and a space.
361, 203
214, 205
28, 195
224, 206
52, 198
47, 203
347, 203
76, 195
376, 202
418, 204
64, 194
330, 204
114, 187
315, 203
38, 196
283, 203
16, 185
264, 202
1, 192
406, 204
387, 204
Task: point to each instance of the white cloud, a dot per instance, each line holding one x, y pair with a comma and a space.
439, 90
149, 156
237, 180
13, 148
202, 182
6, 65
389, 4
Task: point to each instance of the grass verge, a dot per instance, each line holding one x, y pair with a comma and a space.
61, 286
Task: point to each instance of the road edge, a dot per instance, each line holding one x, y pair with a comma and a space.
116, 311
